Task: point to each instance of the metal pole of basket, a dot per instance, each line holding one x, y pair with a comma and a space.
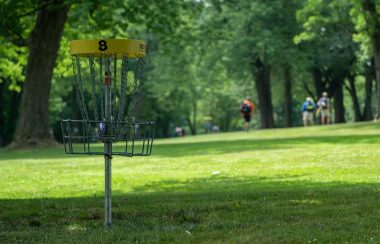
107, 148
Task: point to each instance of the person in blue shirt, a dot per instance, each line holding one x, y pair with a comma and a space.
308, 108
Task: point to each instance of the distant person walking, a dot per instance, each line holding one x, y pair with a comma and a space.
308, 108
324, 109
246, 111
179, 131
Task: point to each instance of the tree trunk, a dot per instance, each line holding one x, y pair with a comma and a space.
13, 116
261, 73
75, 111
33, 128
165, 130
355, 101
191, 126
139, 106
367, 113
227, 120
376, 54
288, 97
2, 112
194, 131
193, 122
318, 83
8, 115
373, 24
338, 101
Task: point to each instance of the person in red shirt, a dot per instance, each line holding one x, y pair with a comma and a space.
246, 111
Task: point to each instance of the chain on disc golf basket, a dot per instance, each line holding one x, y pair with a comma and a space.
107, 77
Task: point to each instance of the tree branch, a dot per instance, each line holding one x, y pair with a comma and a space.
17, 39
35, 10
308, 90
347, 87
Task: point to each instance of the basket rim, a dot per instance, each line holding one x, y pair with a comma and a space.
119, 47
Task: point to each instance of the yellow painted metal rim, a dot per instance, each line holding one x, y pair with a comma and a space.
103, 47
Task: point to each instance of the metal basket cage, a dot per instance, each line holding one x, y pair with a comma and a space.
87, 137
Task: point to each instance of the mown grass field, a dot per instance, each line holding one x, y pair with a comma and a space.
313, 185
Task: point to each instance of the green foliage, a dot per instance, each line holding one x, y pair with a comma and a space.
364, 30
12, 64
16, 20
329, 26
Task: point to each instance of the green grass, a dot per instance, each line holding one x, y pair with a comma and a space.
313, 185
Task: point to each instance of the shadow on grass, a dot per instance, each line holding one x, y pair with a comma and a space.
209, 147
215, 209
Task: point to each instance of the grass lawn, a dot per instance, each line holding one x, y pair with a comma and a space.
313, 185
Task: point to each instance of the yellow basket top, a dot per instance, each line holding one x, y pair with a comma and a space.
103, 47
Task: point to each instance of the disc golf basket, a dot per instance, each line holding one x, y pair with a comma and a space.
107, 77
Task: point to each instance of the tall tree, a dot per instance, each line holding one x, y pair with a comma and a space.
291, 56
261, 72
370, 8
355, 100
369, 77
328, 28
33, 125
288, 97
